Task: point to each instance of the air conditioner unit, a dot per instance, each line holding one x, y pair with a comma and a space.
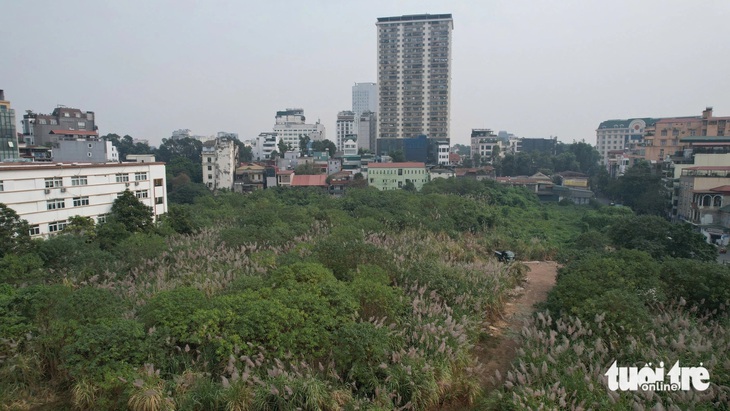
47, 191
63, 189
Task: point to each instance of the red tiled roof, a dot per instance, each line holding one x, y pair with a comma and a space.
75, 132
316, 180
721, 189
454, 158
411, 164
280, 172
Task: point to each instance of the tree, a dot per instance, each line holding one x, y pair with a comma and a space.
642, 190
325, 145
495, 153
245, 154
81, 226
131, 213
182, 165
189, 148
358, 181
303, 143
126, 145
587, 157
14, 232
397, 156
284, 147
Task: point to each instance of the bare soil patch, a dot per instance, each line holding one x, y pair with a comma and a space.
497, 352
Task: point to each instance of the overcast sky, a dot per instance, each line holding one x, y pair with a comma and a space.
533, 68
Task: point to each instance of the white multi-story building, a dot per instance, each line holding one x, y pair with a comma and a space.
443, 153
414, 75
220, 157
262, 145
487, 144
345, 128
47, 195
613, 135
290, 125
364, 98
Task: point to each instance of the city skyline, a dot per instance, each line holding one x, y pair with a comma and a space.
147, 69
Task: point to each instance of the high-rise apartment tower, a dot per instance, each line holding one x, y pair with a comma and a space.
414, 75
364, 98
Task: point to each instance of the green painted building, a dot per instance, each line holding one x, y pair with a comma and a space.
395, 176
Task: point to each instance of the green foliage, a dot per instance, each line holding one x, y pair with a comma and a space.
377, 298
14, 232
660, 238
81, 226
188, 193
107, 346
179, 220
359, 350
325, 145
89, 304
642, 189
705, 285
131, 213
173, 310
19, 269
596, 284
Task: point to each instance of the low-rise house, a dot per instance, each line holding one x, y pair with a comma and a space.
573, 179
284, 177
441, 171
339, 181
478, 173
538, 182
249, 177
309, 180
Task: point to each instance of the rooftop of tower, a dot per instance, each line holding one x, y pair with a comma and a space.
412, 17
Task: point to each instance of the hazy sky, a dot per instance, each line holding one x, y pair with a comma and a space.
534, 68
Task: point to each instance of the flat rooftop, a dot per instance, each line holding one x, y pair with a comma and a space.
414, 17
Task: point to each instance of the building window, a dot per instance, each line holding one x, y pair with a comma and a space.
159, 200
141, 194
140, 176
122, 178
82, 125
158, 182
56, 203
56, 226
34, 230
210, 168
101, 218
664, 132
54, 182
80, 201
2, 186
210, 176
79, 181
210, 160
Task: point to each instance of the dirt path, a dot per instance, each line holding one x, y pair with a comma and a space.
497, 353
